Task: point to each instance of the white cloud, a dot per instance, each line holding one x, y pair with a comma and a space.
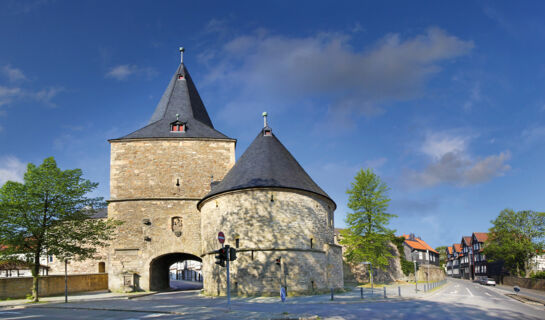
451, 163
436, 145
13, 74
8, 94
46, 95
11, 169
123, 72
325, 64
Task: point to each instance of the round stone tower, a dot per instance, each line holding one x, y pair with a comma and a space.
280, 221
157, 175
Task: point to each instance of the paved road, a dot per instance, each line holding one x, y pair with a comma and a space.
492, 302
459, 299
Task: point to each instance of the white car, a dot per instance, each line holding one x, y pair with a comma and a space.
490, 282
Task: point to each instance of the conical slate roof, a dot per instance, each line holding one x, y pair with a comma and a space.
266, 163
181, 97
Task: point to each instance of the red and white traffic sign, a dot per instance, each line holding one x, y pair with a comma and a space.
221, 237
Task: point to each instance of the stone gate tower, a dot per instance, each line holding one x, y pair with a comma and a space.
280, 221
157, 175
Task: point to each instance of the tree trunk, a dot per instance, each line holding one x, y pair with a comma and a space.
35, 277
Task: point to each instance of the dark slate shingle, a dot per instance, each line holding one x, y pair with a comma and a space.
266, 163
181, 97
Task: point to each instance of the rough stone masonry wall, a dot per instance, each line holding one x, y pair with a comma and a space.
143, 186
52, 285
80, 267
267, 230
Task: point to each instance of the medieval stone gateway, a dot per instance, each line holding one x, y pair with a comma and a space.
175, 185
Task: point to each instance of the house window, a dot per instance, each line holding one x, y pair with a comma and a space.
50, 258
237, 242
101, 267
420, 255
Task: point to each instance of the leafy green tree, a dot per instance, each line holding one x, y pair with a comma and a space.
49, 214
406, 266
442, 255
367, 237
515, 238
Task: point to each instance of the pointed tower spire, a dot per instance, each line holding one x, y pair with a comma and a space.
181, 103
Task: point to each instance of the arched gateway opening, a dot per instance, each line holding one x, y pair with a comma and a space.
160, 270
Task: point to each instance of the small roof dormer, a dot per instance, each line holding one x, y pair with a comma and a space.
267, 131
177, 126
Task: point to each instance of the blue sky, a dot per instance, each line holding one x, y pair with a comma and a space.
445, 101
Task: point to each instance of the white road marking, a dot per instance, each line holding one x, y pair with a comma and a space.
488, 294
9, 312
471, 294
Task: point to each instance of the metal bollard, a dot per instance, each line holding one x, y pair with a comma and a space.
399, 291
361, 292
331, 294
384, 292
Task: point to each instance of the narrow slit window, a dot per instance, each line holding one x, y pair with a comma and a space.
311, 244
237, 242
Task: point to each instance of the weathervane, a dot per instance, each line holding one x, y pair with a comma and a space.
264, 119
182, 54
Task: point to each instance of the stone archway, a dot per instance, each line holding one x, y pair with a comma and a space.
159, 269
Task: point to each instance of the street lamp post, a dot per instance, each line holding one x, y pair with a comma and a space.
428, 274
66, 280
415, 278
370, 274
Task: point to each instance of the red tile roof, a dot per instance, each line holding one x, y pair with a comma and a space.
467, 240
449, 249
418, 244
457, 247
481, 236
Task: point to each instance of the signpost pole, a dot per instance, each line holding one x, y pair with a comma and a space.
65, 280
228, 281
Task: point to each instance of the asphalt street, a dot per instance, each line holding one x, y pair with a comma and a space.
458, 299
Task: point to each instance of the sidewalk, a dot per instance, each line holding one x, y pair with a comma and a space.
355, 295
76, 297
536, 294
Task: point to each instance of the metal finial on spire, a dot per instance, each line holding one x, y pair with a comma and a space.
177, 117
264, 119
182, 54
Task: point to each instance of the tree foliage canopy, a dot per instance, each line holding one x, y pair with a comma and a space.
367, 237
516, 237
49, 213
442, 254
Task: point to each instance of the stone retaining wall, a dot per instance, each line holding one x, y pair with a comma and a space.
528, 283
52, 285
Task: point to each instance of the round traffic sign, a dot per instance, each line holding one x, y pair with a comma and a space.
221, 237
